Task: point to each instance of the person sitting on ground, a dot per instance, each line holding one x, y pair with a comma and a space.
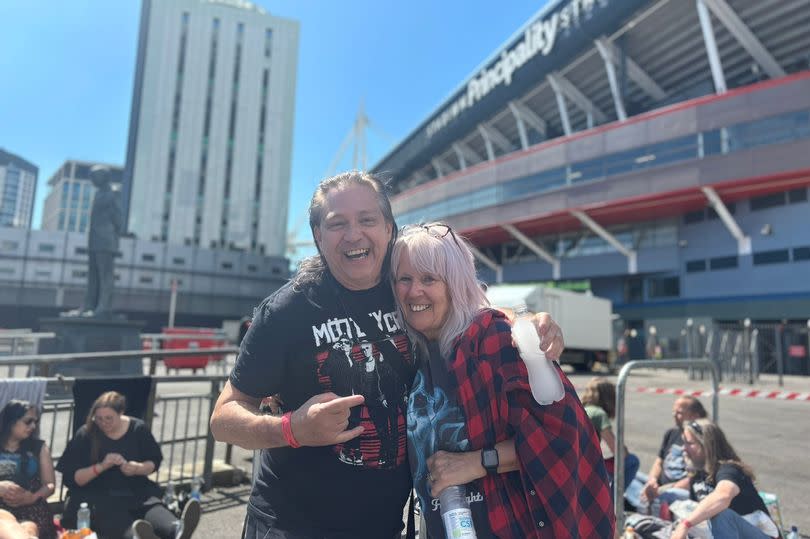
106, 464
26, 469
11, 528
599, 400
528, 470
667, 480
723, 486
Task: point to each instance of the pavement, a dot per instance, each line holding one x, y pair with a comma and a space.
224, 507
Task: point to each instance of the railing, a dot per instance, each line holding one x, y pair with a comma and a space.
12, 342
618, 482
179, 420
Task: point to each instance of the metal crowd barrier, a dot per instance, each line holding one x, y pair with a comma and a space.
13, 341
179, 421
624, 374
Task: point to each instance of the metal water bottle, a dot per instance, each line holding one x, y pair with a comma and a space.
83, 516
456, 513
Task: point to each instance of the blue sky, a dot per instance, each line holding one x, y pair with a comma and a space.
68, 67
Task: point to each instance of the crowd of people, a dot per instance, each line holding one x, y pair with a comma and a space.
104, 465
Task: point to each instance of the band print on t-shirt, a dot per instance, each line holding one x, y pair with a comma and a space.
349, 362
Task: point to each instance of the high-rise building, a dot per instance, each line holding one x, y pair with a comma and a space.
210, 136
67, 205
18, 185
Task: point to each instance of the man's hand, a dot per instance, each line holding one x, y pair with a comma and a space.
551, 336
323, 419
448, 469
651, 490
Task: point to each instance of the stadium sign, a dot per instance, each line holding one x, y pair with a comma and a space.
539, 38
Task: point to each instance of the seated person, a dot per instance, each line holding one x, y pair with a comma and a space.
106, 464
723, 486
10, 528
667, 480
26, 468
599, 400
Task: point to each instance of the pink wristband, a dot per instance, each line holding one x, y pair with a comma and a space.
686, 523
286, 430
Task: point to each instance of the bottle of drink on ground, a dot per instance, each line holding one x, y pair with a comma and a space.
629, 533
456, 514
83, 516
196, 488
544, 381
168, 494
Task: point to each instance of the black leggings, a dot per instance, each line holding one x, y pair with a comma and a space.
112, 520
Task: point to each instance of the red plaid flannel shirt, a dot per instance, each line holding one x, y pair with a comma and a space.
562, 487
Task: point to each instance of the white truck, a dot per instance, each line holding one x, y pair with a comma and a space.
586, 320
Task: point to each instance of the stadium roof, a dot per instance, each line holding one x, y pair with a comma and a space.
656, 49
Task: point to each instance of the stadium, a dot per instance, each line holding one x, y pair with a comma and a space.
654, 152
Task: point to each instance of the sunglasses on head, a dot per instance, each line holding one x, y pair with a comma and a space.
435, 230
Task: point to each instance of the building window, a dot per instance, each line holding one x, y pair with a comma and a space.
252, 268
665, 287
178, 261
767, 201
81, 251
723, 262
79, 274
147, 257
695, 266
227, 265
6, 270
276, 271
43, 274
145, 279
801, 253
634, 290
777, 256
711, 214
8, 245
797, 195
46, 248
268, 42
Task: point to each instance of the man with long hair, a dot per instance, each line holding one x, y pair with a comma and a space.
723, 486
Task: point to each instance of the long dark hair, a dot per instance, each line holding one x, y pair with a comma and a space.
12, 412
111, 399
312, 269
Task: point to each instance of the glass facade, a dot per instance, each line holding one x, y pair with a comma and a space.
779, 129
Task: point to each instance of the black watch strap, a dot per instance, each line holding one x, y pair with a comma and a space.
489, 459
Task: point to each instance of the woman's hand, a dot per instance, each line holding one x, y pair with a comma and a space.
132, 468
680, 531
10, 491
112, 459
19, 497
449, 469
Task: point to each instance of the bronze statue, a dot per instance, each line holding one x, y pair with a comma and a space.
102, 244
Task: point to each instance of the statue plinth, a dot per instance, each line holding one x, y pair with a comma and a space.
77, 334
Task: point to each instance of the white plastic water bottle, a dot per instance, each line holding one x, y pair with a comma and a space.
546, 385
196, 488
83, 516
168, 494
456, 513
794, 533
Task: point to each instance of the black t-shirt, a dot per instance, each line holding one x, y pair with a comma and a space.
437, 422
744, 503
672, 455
328, 338
137, 444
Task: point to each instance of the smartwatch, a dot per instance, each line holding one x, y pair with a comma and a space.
489, 460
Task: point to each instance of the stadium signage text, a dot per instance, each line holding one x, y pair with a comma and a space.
539, 38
